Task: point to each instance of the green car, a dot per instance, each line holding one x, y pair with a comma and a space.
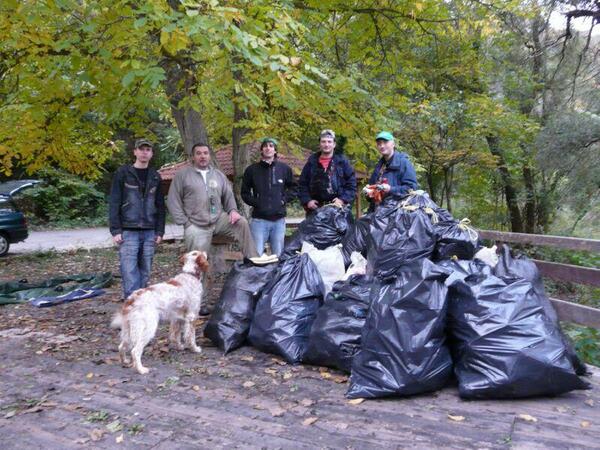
13, 224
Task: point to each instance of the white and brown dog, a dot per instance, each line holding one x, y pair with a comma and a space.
177, 301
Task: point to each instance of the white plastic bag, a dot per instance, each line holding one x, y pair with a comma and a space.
358, 265
329, 262
488, 255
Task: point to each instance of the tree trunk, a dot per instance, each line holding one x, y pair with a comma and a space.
510, 191
530, 200
240, 152
179, 85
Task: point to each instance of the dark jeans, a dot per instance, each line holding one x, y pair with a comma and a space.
135, 254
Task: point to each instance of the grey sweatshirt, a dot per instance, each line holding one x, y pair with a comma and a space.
191, 201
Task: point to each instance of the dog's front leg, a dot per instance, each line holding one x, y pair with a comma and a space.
189, 335
175, 334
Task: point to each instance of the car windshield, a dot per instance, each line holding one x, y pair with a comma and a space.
12, 187
6, 205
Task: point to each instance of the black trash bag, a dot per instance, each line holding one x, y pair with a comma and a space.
230, 320
523, 267
324, 228
455, 239
403, 349
504, 345
408, 236
355, 240
335, 334
287, 308
292, 246
420, 199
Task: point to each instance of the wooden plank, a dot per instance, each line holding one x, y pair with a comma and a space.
591, 245
579, 314
568, 272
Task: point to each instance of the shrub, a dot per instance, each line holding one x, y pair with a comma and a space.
64, 200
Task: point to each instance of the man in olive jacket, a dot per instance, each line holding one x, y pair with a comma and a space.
137, 217
201, 199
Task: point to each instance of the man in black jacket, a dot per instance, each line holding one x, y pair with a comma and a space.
268, 186
137, 217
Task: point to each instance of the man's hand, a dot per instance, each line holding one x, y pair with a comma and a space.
385, 187
313, 204
338, 202
158, 239
234, 216
118, 238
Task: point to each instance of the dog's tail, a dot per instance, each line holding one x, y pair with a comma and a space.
117, 320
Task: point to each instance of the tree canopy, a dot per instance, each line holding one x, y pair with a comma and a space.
484, 96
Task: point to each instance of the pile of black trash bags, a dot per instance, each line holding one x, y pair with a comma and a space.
424, 313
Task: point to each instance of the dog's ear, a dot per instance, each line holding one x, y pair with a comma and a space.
182, 259
202, 262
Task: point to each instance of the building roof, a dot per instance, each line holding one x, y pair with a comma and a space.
285, 154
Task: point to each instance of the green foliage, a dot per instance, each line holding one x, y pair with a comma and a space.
64, 200
586, 341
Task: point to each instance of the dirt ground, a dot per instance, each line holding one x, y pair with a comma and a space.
61, 386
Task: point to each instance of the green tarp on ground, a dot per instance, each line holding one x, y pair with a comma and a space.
22, 291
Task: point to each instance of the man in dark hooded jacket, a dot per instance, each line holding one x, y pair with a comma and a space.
394, 174
268, 186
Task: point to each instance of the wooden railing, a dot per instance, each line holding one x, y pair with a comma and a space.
567, 310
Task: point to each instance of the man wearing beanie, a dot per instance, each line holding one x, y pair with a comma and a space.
268, 186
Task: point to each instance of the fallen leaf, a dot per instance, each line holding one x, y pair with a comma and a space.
589, 402
307, 402
247, 358
277, 411
114, 426
279, 361
259, 407
90, 375
325, 375
561, 409
112, 383
309, 421
164, 349
287, 375
585, 424
96, 434
10, 414
72, 407
340, 379
456, 418
119, 438
196, 388
249, 384
527, 418
33, 409
341, 426
271, 371
356, 401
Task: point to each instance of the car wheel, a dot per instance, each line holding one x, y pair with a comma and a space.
4, 244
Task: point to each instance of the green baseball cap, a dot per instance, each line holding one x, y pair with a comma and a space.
269, 139
141, 142
385, 135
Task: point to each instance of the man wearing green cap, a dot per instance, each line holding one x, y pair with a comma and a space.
268, 186
394, 174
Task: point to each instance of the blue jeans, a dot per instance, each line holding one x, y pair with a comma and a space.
271, 231
135, 254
